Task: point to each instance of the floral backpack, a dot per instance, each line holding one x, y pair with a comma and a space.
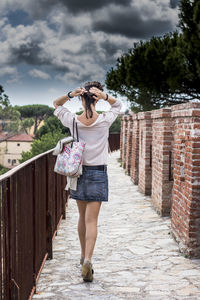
69, 158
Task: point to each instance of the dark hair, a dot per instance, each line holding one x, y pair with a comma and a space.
88, 97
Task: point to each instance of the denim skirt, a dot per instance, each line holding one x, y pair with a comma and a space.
92, 185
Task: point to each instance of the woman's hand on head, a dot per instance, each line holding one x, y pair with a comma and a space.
78, 92
99, 94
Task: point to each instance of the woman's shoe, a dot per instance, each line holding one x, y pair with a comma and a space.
87, 271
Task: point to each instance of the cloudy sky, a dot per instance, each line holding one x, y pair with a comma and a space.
49, 47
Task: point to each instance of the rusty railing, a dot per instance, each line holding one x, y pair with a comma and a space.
33, 202
114, 141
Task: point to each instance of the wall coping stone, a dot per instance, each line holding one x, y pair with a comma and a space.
125, 118
134, 116
130, 118
189, 109
144, 115
161, 113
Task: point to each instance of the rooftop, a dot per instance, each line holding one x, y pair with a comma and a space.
22, 137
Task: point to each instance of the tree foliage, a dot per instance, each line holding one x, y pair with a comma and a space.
3, 170
51, 124
190, 25
116, 126
38, 112
45, 143
7, 112
26, 124
164, 70
11, 117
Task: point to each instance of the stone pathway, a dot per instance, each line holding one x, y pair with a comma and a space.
135, 256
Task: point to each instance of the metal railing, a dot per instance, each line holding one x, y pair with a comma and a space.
114, 141
33, 202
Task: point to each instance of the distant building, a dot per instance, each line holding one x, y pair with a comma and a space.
11, 148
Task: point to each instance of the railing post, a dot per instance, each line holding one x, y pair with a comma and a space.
64, 197
49, 236
49, 229
6, 238
33, 232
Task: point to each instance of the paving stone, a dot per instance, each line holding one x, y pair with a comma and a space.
135, 257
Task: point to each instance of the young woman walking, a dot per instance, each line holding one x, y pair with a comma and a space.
92, 185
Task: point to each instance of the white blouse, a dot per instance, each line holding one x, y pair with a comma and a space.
95, 135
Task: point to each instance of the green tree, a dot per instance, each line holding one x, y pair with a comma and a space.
190, 26
19, 125
51, 124
151, 74
7, 112
26, 124
116, 126
45, 143
3, 170
38, 112
164, 70
12, 121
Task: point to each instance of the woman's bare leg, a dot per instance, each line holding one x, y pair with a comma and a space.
91, 219
81, 224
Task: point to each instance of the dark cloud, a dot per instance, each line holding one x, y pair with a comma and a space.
88, 5
109, 47
77, 40
32, 54
130, 23
174, 3
27, 53
38, 9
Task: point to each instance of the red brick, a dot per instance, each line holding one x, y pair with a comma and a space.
178, 134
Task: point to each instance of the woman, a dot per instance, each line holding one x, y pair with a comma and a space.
92, 185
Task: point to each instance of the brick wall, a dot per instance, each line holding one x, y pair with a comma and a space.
129, 143
185, 215
145, 139
121, 138
134, 171
162, 155
162, 149
124, 139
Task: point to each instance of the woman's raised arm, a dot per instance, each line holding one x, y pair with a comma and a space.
61, 100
